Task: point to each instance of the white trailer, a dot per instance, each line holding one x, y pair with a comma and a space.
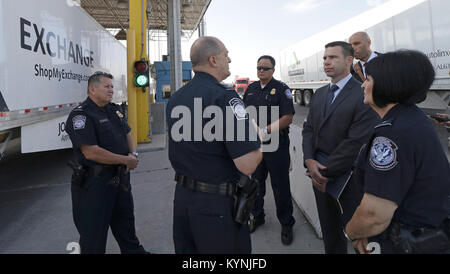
422, 25
48, 49
413, 24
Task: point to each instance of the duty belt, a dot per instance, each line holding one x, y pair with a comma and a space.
115, 170
99, 170
225, 189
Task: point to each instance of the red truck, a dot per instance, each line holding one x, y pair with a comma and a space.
240, 85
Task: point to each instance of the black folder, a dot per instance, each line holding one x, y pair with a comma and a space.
335, 186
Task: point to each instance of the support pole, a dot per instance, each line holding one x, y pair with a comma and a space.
131, 90
174, 32
138, 22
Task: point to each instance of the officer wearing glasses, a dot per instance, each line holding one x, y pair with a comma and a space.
269, 92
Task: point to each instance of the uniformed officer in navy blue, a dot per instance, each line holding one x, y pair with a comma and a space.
207, 169
404, 170
103, 145
269, 92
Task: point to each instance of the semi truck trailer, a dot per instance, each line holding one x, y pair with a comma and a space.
48, 50
422, 25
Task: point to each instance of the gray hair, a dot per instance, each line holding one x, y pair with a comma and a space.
95, 78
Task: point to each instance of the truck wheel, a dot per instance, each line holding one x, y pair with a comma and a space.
298, 97
307, 95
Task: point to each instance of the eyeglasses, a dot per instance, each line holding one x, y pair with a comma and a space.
264, 68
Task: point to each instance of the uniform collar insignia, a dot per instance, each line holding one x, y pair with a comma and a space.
387, 123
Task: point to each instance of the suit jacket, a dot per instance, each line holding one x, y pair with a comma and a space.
341, 133
353, 72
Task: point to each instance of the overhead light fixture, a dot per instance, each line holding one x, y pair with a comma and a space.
122, 4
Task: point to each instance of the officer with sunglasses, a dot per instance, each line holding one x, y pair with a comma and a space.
105, 154
271, 93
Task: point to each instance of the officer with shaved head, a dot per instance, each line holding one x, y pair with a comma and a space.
208, 168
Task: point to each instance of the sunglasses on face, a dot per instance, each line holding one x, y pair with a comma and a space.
264, 68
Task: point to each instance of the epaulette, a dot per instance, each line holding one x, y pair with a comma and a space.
79, 108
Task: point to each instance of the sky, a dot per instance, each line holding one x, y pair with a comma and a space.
251, 28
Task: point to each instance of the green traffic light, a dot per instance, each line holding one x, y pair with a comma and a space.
141, 80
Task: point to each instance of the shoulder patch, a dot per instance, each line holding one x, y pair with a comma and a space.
79, 122
238, 108
288, 94
383, 154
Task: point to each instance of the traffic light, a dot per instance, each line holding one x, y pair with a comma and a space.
141, 71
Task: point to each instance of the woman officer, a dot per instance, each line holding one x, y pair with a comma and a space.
404, 171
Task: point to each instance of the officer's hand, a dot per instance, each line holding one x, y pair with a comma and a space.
314, 168
361, 246
131, 162
262, 136
321, 187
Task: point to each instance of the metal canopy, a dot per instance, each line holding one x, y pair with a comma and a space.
113, 14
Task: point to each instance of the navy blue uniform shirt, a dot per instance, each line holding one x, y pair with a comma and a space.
209, 161
275, 93
89, 124
405, 163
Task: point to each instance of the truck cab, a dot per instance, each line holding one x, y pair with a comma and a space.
240, 85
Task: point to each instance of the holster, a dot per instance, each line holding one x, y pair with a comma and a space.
79, 173
244, 199
419, 240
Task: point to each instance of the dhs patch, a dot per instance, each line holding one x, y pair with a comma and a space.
238, 108
288, 94
383, 154
79, 122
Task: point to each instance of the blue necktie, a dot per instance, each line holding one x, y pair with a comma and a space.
330, 97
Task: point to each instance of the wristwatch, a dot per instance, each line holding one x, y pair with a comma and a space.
348, 238
135, 154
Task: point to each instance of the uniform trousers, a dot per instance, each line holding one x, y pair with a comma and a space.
100, 204
203, 224
277, 165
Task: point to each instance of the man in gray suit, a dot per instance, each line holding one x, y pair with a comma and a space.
338, 124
